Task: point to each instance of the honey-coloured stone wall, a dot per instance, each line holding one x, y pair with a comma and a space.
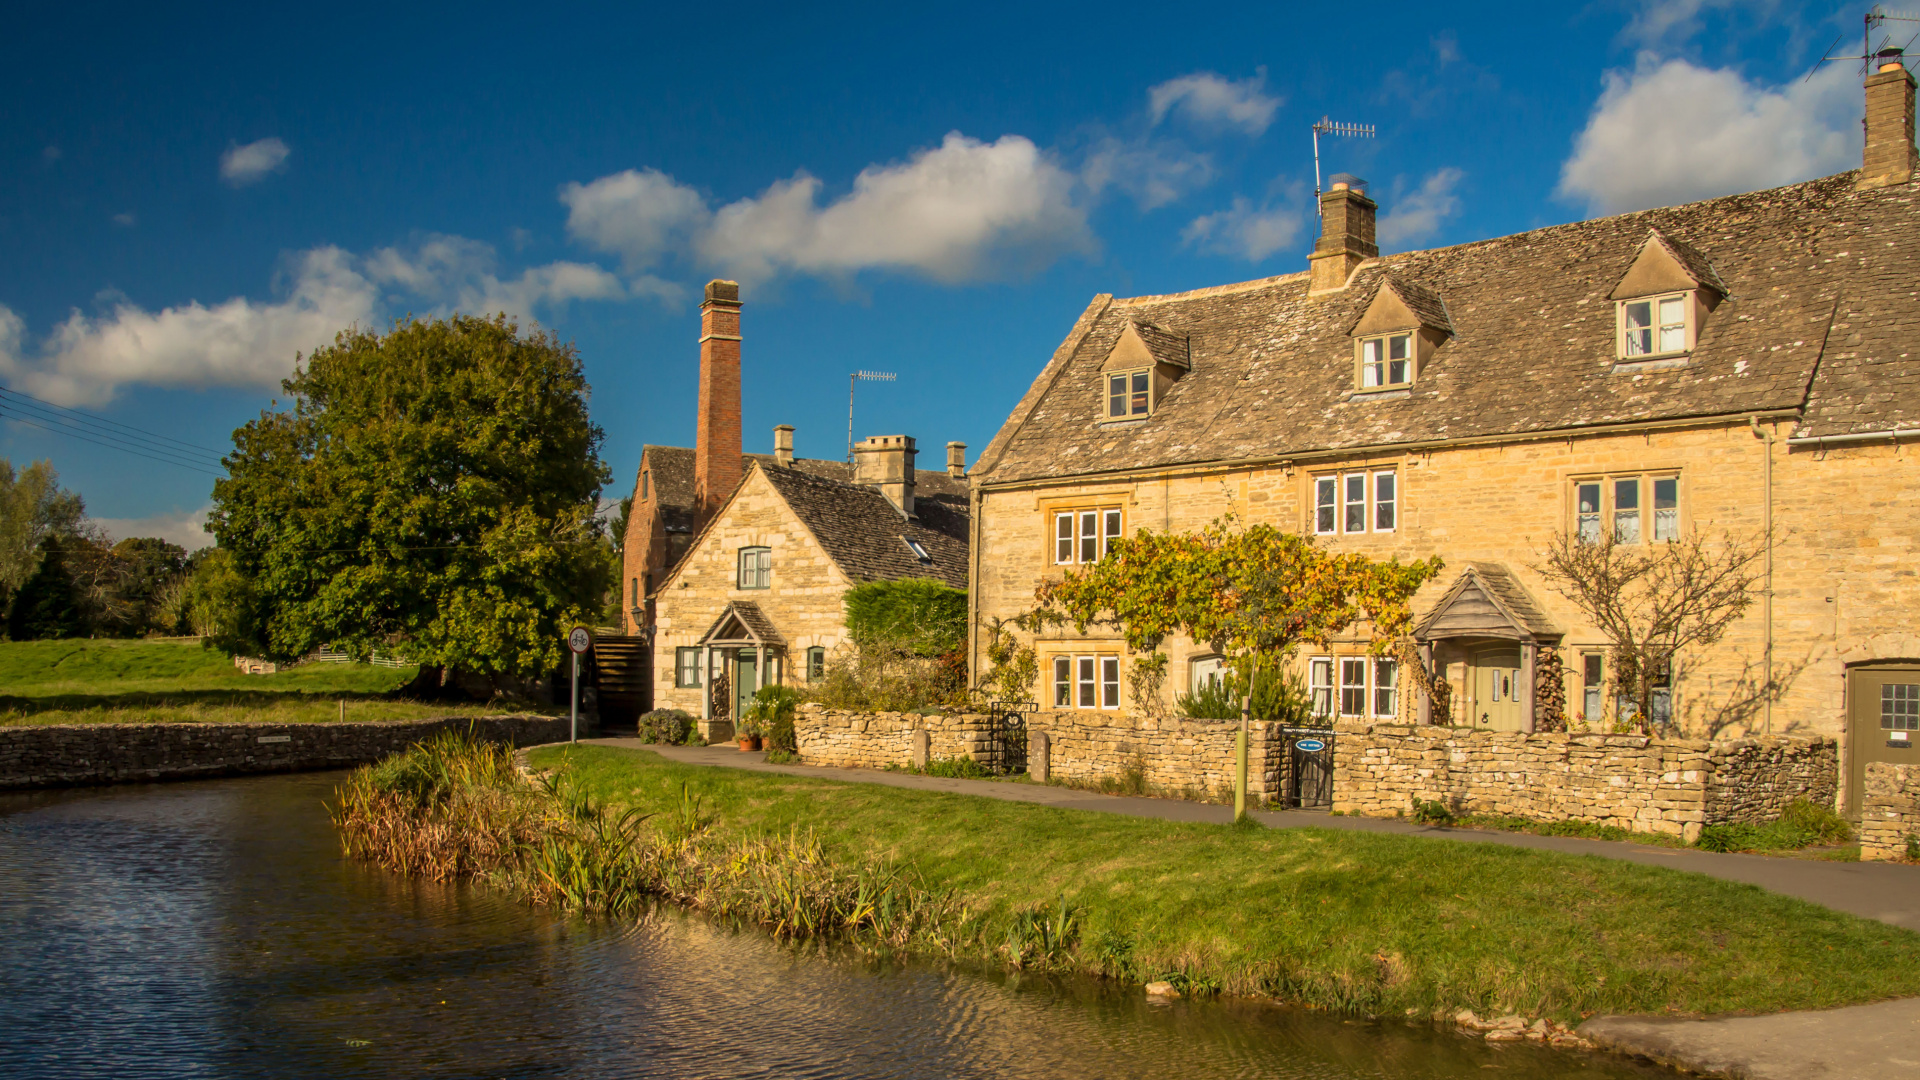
1891, 816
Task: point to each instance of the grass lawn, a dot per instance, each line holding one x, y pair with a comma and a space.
178, 681
1357, 921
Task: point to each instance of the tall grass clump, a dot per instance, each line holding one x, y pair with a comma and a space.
1801, 824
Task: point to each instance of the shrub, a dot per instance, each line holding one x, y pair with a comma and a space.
669, 726
917, 616
772, 714
866, 680
958, 768
1278, 695
1432, 812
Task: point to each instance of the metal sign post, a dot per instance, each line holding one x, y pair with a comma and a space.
579, 640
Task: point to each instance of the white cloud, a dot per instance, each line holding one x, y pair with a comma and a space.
1152, 173
243, 165
247, 343
1413, 218
1670, 132
1660, 22
638, 214
1243, 231
188, 528
960, 211
1215, 101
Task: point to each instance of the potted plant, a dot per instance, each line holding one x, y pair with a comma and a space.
748, 731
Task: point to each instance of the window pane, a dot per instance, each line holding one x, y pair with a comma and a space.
1204, 672
1109, 682
1062, 682
1673, 324
1400, 347
1626, 511
1140, 393
1666, 508
1356, 502
1110, 530
816, 663
1397, 373
1900, 706
1116, 395
1089, 537
1639, 328
1586, 500
1063, 538
1383, 501
1639, 314
1323, 509
1386, 688
1353, 687
1372, 364
1320, 681
1086, 681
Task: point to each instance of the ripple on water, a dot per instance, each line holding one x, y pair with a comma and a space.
212, 929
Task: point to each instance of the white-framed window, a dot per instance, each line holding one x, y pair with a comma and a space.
756, 568
1320, 685
816, 663
1593, 689
1082, 536
1386, 687
1353, 686
1635, 509
686, 667
1653, 326
1356, 502
1129, 393
1205, 670
1086, 682
1386, 362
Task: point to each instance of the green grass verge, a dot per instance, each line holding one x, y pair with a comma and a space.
178, 681
1348, 920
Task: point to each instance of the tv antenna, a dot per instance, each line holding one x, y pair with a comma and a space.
853, 382
1332, 127
1886, 52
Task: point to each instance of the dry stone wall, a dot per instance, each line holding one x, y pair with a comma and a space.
1890, 815
1673, 786
853, 740
120, 753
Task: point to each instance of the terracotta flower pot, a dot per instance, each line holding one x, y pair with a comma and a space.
745, 743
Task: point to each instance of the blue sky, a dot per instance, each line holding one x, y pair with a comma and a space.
189, 200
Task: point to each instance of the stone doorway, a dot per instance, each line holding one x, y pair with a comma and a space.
1883, 721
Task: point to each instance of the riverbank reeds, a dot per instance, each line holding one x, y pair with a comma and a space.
1353, 921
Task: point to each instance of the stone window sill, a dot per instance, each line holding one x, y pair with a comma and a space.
1661, 362
1389, 394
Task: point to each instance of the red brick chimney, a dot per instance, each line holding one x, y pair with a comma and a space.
716, 451
1889, 157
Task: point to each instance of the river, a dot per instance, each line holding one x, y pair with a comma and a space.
211, 929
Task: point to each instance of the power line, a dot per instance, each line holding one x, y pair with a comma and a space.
91, 417
125, 450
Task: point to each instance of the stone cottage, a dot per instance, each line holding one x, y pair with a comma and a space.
735, 563
1747, 365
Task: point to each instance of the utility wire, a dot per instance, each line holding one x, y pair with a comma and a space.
26, 410
76, 435
90, 417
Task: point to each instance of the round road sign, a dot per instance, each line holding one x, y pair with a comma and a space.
580, 640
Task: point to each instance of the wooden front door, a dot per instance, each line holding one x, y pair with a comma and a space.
1884, 722
1496, 688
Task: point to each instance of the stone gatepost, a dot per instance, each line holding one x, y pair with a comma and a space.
1038, 766
922, 747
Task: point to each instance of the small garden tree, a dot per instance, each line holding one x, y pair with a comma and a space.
1651, 603
1250, 594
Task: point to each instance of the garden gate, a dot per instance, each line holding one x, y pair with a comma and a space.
1007, 736
1306, 769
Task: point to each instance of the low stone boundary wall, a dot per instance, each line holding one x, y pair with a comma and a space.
1177, 756
74, 754
1675, 786
1890, 811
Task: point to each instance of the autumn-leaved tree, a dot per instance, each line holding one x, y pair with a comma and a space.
1651, 603
1251, 594
430, 493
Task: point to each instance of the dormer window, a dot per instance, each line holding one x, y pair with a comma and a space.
1386, 362
1129, 394
1655, 326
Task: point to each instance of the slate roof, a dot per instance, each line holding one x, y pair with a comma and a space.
1821, 320
1426, 305
1692, 261
673, 475
861, 531
1166, 347
748, 614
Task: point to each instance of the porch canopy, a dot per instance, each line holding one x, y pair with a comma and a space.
1485, 602
741, 625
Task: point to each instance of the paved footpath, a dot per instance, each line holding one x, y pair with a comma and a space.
1880, 1041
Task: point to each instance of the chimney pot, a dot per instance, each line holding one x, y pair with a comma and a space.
886, 462
783, 445
1889, 155
957, 460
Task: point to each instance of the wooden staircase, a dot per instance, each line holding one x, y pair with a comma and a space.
623, 676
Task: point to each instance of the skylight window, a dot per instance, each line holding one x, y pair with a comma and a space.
918, 551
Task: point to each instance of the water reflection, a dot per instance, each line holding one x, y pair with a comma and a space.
212, 929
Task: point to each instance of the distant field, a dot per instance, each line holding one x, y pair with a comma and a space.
177, 681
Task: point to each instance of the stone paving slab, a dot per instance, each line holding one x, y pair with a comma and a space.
1880, 1041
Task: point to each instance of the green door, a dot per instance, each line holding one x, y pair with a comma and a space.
1496, 689
1884, 703
745, 682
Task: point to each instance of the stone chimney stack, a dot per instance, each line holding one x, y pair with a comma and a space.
957, 460
783, 445
716, 452
1346, 234
886, 462
1889, 158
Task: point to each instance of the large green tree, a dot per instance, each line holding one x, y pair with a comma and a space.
46, 605
430, 493
33, 506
